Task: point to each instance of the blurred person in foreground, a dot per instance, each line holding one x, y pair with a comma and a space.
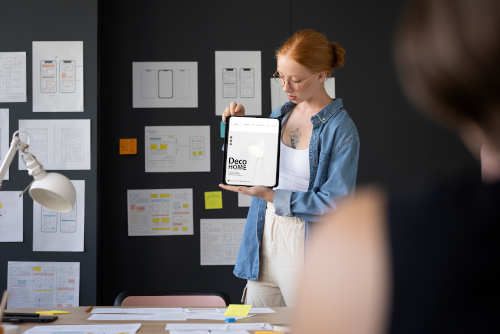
423, 260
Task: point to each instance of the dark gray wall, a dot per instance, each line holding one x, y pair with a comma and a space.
24, 21
396, 143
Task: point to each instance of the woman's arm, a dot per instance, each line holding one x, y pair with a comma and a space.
341, 171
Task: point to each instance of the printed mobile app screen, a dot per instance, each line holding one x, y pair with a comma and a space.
252, 151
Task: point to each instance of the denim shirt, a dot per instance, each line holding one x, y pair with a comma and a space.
333, 163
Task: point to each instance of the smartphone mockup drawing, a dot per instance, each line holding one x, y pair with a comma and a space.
165, 84
182, 84
67, 73
229, 78
149, 82
246, 82
48, 76
68, 221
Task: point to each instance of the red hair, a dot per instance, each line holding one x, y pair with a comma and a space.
312, 50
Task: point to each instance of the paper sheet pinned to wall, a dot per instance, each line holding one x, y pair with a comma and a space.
4, 137
238, 77
43, 284
12, 77
57, 76
60, 231
157, 212
57, 144
220, 241
11, 216
177, 148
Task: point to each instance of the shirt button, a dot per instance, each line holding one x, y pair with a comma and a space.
323, 118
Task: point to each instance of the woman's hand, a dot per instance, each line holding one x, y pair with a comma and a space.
257, 191
234, 109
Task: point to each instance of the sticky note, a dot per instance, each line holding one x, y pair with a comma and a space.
236, 310
153, 147
1, 205
213, 200
268, 332
222, 129
176, 229
164, 195
164, 220
128, 146
54, 312
154, 196
156, 220
163, 146
185, 205
184, 228
37, 268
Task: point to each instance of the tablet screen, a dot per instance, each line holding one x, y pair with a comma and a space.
252, 151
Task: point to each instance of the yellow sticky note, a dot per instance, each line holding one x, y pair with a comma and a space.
154, 147
185, 205
184, 228
156, 220
236, 310
164, 220
54, 312
164, 195
163, 146
213, 200
128, 146
176, 229
1, 205
194, 152
37, 268
200, 152
154, 196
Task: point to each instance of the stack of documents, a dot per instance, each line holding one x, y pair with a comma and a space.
167, 314
84, 329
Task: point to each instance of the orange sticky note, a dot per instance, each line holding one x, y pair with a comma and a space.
128, 146
268, 332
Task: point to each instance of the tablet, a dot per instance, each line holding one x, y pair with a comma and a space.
29, 319
251, 151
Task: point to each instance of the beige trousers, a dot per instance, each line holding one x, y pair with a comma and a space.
281, 262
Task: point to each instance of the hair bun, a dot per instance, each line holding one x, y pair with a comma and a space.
338, 55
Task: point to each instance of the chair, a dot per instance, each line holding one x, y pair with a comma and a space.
173, 298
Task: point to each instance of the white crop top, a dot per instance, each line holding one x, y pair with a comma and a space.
294, 169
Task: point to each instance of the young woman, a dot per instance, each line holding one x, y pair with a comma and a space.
423, 259
318, 167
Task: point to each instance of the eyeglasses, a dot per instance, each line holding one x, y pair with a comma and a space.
295, 85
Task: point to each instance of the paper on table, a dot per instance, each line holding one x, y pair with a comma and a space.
60, 231
12, 77
58, 144
43, 284
212, 316
237, 310
157, 212
4, 136
122, 328
256, 310
11, 216
220, 241
140, 317
58, 76
212, 327
177, 149
210, 332
114, 310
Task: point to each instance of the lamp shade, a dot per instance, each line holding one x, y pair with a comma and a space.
258, 148
54, 191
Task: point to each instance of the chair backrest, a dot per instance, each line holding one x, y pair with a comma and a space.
173, 299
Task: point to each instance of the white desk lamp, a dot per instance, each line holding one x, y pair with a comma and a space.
258, 149
52, 190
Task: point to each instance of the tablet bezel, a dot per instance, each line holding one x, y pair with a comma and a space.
226, 138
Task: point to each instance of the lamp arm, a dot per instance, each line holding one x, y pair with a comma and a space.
15, 146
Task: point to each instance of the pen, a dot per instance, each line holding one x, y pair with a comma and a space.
89, 309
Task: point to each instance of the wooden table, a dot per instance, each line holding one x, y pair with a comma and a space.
79, 317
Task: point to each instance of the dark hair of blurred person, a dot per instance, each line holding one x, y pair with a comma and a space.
424, 259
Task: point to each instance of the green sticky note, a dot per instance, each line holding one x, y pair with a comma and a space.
222, 129
235, 310
213, 200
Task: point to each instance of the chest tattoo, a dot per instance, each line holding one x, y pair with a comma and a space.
294, 137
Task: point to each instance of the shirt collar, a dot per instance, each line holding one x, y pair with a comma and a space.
324, 115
